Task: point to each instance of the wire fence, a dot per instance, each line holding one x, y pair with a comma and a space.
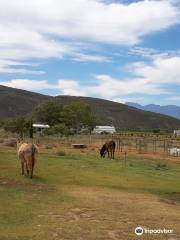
140, 145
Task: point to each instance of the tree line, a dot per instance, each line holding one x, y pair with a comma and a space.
62, 119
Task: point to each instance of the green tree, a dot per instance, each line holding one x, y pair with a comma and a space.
48, 112
1, 123
61, 128
29, 126
19, 125
78, 115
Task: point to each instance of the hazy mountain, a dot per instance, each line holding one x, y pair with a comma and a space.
15, 102
170, 110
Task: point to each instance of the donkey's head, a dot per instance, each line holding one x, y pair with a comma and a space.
103, 151
19, 141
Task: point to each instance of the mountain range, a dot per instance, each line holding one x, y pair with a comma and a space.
16, 102
170, 110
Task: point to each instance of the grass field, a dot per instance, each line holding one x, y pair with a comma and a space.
82, 197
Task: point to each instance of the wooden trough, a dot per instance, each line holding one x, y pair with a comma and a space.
79, 145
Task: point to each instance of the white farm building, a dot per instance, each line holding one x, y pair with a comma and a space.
177, 132
40, 127
104, 129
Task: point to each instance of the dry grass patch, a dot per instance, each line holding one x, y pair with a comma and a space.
100, 213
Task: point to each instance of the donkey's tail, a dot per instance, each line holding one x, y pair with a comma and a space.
114, 144
34, 151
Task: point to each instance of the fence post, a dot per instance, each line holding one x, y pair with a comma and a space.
140, 146
154, 146
164, 146
125, 157
136, 144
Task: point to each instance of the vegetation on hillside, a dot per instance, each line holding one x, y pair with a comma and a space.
20, 125
62, 119
21, 103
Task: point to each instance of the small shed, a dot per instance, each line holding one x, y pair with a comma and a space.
104, 129
177, 132
174, 152
40, 127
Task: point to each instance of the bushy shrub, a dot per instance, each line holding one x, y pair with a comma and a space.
161, 166
48, 132
19, 125
10, 142
50, 146
61, 153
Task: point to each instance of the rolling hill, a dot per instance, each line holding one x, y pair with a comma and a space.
15, 102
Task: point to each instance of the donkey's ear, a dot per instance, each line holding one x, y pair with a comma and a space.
19, 139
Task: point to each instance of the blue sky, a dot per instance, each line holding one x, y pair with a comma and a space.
118, 50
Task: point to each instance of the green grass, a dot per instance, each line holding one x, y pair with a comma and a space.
140, 175
23, 201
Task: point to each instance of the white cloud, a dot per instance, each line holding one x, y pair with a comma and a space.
80, 57
146, 52
19, 71
7, 66
149, 78
153, 54
28, 84
34, 29
162, 70
43, 29
71, 87
110, 88
19, 43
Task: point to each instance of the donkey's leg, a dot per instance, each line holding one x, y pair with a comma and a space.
111, 153
22, 167
32, 168
27, 169
31, 175
108, 153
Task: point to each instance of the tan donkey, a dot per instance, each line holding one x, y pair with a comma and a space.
27, 155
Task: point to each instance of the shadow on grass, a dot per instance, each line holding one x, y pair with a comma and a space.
173, 196
38, 179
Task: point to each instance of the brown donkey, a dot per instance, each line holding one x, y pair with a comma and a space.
27, 154
108, 147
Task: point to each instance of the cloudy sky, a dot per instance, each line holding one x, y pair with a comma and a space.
121, 50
